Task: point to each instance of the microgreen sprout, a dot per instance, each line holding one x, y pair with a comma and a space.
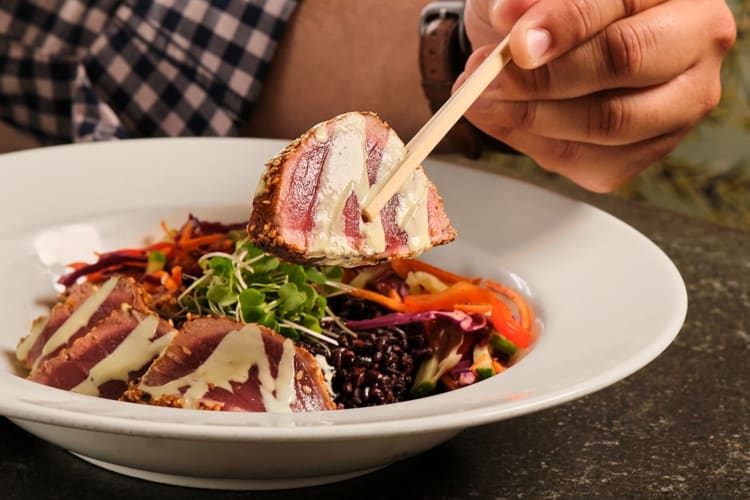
254, 287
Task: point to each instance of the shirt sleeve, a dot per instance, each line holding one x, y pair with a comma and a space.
138, 68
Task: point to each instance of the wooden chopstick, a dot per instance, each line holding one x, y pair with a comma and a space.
437, 127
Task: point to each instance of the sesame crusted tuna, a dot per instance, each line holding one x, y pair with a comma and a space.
307, 206
221, 364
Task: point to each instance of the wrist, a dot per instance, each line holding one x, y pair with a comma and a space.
443, 51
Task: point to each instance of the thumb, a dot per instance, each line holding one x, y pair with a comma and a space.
487, 21
550, 28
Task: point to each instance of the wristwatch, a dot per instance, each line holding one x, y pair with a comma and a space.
443, 51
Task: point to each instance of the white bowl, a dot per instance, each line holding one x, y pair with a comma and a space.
609, 301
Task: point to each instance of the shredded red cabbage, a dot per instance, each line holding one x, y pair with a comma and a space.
467, 322
105, 260
120, 258
385, 285
210, 227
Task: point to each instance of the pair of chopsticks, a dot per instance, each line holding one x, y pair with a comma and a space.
438, 126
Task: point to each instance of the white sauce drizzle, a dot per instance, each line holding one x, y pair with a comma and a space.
328, 372
411, 211
344, 172
231, 361
37, 327
78, 319
412, 214
134, 351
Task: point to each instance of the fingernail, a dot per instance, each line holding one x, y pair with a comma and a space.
538, 42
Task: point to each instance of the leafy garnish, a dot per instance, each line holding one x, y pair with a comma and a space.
252, 286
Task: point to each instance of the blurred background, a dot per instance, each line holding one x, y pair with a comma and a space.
707, 176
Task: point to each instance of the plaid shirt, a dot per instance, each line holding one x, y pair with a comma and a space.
77, 70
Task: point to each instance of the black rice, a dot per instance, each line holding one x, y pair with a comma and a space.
377, 366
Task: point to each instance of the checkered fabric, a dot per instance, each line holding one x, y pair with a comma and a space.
77, 70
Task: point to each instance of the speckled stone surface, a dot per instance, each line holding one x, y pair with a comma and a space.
679, 428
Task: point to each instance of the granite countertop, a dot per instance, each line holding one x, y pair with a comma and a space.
680, 427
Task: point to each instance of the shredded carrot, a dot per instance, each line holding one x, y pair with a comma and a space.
192, 243
379, 298
141, 252
497, 366
177, 275
186, 233
524, 309
402, 267
166, 279
163, 246
169, 233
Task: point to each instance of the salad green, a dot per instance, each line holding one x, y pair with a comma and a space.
255, 287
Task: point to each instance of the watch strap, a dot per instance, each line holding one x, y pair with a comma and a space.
441, 60
443, 51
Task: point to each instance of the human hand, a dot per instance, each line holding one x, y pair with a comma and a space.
604, 87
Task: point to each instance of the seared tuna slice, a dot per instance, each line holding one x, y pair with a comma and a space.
307, 206
110, 355
80, 309
221, 364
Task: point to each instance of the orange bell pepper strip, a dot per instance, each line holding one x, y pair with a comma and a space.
465, 293
389, 302
459, 295
524, 309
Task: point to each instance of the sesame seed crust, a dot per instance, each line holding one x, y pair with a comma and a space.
265, 231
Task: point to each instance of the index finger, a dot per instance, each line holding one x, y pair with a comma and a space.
550, 28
